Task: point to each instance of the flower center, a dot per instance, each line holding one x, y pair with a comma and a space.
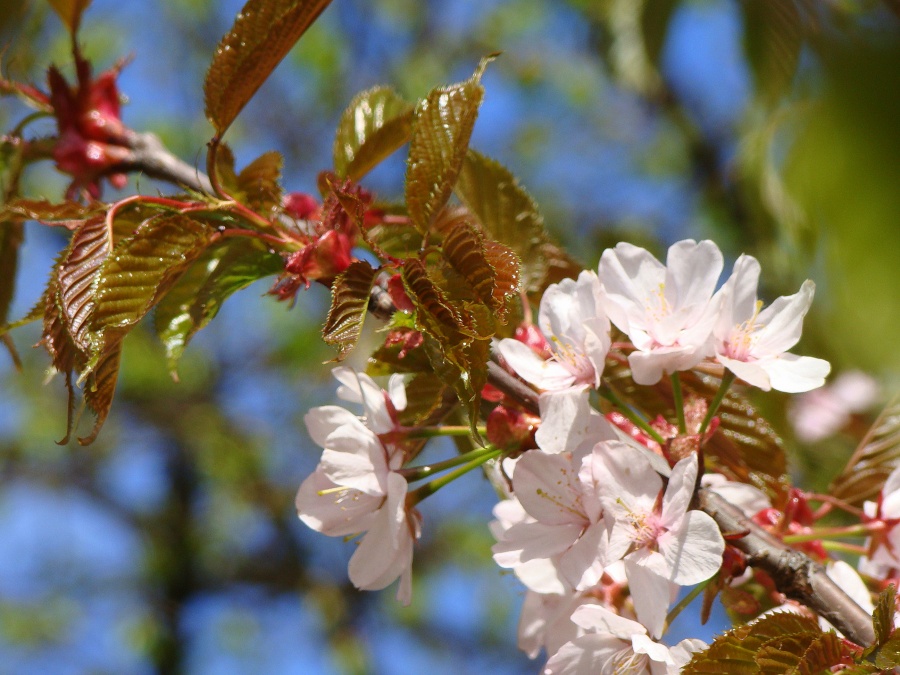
646, 527
743, 337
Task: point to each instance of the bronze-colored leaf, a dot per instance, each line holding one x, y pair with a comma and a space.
349, 303
807, 653
876, 456
506, 211
99, 389
507, 272
883, 616
375, 124
263, 33
70, 12
77, 272
428, 398
69, 214
138, 272
434, 312
440, 138
198, 295
259, 183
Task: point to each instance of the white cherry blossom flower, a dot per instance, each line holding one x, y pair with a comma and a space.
380, 407
565, 522
884, 549
356, 488
665, 310
572, 320
752, 342
661, 541
614, 645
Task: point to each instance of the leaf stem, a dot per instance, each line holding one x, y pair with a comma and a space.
843, 547
727, 380
861, 530
472, 460
633, 417
686, 600
679, 402
449, 430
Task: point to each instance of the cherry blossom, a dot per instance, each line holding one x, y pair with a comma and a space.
613, 644
356, 487
665, 310
884, 548
752, 342
564, 522
573, 322
661, 541
820, 413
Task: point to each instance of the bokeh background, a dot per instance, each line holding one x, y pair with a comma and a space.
171, 545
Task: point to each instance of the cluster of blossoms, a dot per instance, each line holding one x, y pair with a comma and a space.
600, 540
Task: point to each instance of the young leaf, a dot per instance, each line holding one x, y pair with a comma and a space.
67, 213
872, 462
138, 272
197, 296
440, 138
883, 616
99, 390
259, 183
375, 124
349, 302
804, 654
263, 33
506, 211
70, 11
887, 655
434, 313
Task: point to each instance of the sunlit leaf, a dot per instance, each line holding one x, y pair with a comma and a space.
263, 33
99, 389
77, 273
259, 183
68, 213
427, 400
872, 462
506, 211
434, 313
70, 11
440, 139
887, 655
493, 278
773, 37
375, 124
138, 272
883, 616
349, 303
803, 654
198, 295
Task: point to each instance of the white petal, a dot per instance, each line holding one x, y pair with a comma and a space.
851, 583
585, 655
533, 541
692, 273
792, 374
354, 457
648, 367
630, 276
601, 620
782, 321
738, 296
581, 565
321, 421
627, 482
541, 575
679, 491
335, 513
532, 368
751, 372
694, 552
548, 488
651, 594
360, 388
397, 391
569, 422
642, 644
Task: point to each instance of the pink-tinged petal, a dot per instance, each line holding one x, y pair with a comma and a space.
793, 374
532, 368
581, 565
533, 541
750, 372
782, 321
679, 491
547, 487
651, 595
693, 553
337, 512
570, 422
738, 296
627, 482
589, 654
386, 550
321, 421
354, 457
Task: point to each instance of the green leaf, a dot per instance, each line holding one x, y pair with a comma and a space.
872, 462
259, 183
349, 304
883, 616
374, 125
773, 37
263, 33
888, 653
138, 272
198, 295
440, 138
70, 12
507, 213
803, 654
